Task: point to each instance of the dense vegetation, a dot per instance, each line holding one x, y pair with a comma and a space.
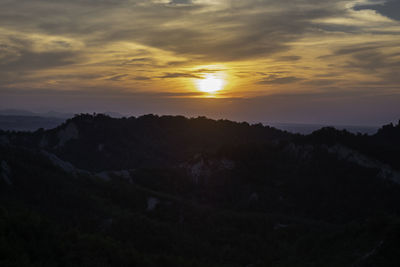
198, 192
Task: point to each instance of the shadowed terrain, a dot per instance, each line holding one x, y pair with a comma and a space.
173, 191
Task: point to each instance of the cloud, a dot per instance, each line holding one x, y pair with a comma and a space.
142, 59
356, 49
141, 78
180, 2
180, 75
235, 31
289, 58
280, 80
118, 77
390, 8
374, 61
142, 45
29, 60
224, 31
322, 82
370, 59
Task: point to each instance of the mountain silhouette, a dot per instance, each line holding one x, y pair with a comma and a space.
173, 191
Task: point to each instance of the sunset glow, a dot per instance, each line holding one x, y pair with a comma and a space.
89, 56
211, 83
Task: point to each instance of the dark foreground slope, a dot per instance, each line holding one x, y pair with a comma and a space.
171, 191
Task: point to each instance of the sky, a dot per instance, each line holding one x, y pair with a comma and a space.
301, 61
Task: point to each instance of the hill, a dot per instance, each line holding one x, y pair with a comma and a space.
173, 191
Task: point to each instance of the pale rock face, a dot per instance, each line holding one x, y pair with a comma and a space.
69, 133
124, 174
152, 203
104, 176
388, 173
107, 175
6, 172
369, 254
227, 164
197, 170
66, 166
203, 168
345, 153
353, 156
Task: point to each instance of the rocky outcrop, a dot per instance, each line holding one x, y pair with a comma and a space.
6, 172
70, 132
66, 166
198, 170
107, 175
103, 176
348, 154
152, 203
361, 262
201, 168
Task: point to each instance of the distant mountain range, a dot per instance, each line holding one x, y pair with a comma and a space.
21, 120
306, 128
26, 113
28, 123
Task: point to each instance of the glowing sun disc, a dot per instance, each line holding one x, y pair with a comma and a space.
210, 84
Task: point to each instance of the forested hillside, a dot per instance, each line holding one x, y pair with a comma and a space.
173, 191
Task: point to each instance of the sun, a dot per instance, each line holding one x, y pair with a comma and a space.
211, 83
